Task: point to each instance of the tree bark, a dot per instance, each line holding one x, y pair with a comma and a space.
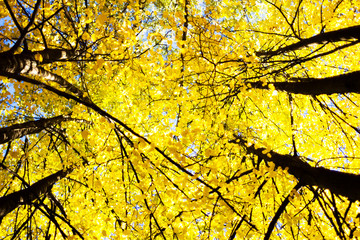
9, 60
13, 200
344, 83
345, 184
26, 63
19, 130
332, 36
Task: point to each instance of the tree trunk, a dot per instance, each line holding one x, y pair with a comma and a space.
345, 83
19, 130
13, 200
26, 63
332, 36
345, 184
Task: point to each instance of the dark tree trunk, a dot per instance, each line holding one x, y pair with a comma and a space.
26, 64
332, 36
345, 184
345, 83
13, 200
19, 130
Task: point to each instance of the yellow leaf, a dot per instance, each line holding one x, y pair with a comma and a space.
183, 50
357, 233
85, 134
14, 154
38, 57
101, 19
86, 36
99, 63
271, 86
93, 37
97, 185
208, 153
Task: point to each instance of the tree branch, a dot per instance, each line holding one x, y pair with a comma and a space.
278, 213
24, 31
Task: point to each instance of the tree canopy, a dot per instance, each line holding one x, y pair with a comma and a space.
156, 119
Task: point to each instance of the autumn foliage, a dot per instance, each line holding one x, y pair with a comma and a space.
159, 119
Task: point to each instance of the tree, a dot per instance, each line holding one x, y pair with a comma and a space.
179, 120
